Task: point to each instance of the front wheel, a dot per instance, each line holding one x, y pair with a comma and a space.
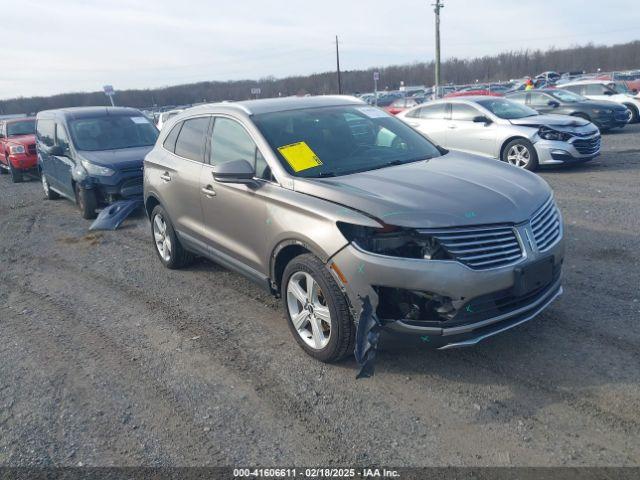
520, 153
168, 247
48, 193
316, 310
87, 202
635, 114
16, 175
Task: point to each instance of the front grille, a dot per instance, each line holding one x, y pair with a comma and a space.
31, 149
587, 146
545, 225
481, 247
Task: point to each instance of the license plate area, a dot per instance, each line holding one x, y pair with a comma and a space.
533, 277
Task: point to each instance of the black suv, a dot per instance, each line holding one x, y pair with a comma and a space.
605, 115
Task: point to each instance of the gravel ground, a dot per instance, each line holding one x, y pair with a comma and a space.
109, 359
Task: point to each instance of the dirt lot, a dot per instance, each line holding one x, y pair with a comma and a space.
107, 358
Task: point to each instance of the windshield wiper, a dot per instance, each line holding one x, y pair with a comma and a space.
326, 175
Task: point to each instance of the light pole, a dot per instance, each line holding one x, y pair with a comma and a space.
437, 7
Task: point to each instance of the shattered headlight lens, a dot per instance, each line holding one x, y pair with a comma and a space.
551, 134
394, 242
93, 169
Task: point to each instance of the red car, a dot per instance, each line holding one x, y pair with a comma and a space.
18, 147
402, 104
473, 93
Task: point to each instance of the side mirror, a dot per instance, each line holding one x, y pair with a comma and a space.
236, 171
57, 151
553, 104
482, 119
634, 91
608, 93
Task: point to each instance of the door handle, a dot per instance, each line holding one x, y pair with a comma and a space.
208, 191
166, 177
452, 127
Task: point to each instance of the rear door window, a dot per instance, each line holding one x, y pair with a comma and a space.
191, 139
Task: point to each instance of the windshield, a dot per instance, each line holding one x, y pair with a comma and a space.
619, 87
567, 96
506, 108
112, 133
27, 127
331, 141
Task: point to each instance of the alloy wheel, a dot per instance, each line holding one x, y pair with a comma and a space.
162, 238
308, 310
519, 156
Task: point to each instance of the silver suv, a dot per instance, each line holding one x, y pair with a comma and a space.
327, 201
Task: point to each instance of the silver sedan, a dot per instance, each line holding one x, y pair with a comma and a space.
501, 129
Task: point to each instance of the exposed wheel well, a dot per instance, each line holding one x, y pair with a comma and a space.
150, 204
281, 260
506, 142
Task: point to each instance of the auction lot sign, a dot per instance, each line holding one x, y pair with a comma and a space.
214, 473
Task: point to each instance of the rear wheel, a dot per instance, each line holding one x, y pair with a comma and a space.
520, 153
48, 193
316, 310
168, 247
87, 202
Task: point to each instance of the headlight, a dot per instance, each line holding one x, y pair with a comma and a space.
13, 149
551, 134
394, 242
94, 169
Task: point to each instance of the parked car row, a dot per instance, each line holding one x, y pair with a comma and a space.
339, 208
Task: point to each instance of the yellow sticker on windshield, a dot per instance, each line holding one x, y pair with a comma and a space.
300, 156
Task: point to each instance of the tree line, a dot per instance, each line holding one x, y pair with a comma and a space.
500, 67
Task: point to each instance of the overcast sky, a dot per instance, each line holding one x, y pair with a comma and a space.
56, 46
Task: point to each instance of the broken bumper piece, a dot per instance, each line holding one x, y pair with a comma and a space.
112, 216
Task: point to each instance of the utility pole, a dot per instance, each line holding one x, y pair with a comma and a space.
437, 7
338, 66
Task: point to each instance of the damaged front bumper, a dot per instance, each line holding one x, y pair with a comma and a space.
448, 302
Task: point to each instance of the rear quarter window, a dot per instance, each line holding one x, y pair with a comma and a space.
46, 132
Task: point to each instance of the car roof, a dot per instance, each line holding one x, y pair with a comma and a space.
17, 119
88, 112
271, 105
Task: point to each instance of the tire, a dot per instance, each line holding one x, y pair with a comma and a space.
87, 203
48, 193
162, 231
635, 115
16, 175
520, 145
328, 299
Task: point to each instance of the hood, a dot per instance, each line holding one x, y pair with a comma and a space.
565, 123
121, 159
456, 189
23, 139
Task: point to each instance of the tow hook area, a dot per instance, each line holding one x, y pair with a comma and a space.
113, 215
